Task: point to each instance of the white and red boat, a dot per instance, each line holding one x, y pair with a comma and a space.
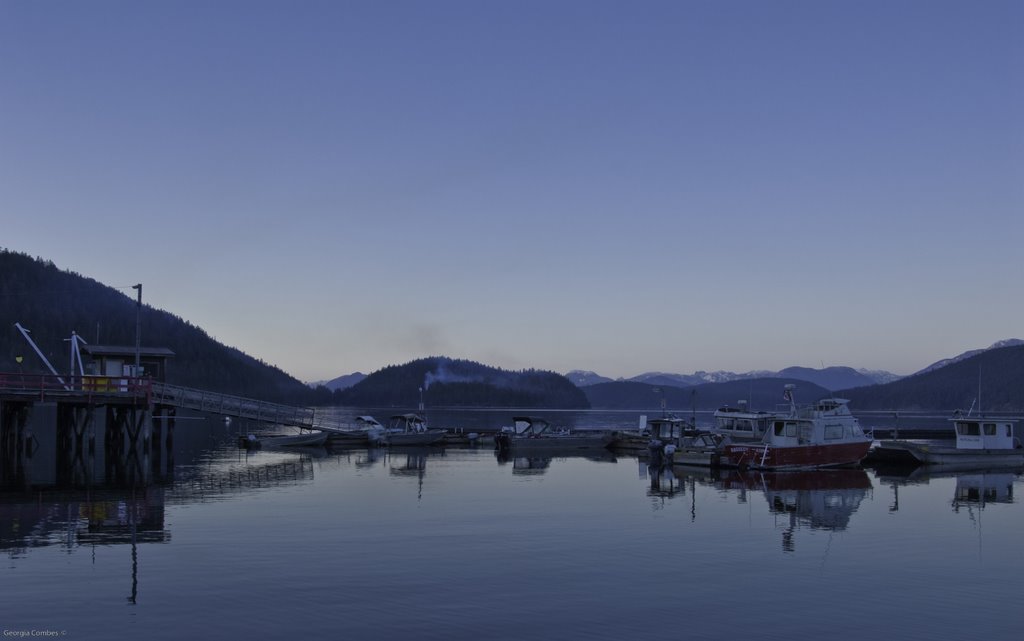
822, 434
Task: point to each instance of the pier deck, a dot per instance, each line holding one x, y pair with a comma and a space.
148, 394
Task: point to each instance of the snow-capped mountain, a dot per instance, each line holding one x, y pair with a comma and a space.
342, 382
879, 376
1009, 342
582, 378
830, 377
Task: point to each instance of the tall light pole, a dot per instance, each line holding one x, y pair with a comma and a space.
138, 330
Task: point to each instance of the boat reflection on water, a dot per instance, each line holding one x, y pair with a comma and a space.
540, 460
973, 489
530, 465
981, 488
411, 462
818, 499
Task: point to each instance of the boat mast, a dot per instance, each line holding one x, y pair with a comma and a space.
979, 391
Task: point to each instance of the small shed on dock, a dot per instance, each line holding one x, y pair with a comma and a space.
117, 360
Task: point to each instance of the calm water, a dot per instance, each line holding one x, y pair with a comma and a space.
457, 544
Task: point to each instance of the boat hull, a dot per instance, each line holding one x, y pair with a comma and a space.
554, 442
931, 454
698, 458
343, 438
775, 457
416, 438
315, 439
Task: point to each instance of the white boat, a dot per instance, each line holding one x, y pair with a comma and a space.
980, 442
741, 423
411, 429
367, 431
702, 449
531, 433
314, 438
822, 434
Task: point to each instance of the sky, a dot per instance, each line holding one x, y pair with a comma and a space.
612, 186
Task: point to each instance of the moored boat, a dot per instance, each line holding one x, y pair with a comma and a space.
411, 429
822, 434
980, 442
314, 438
630, 441
531, 433
702, 449
367, 431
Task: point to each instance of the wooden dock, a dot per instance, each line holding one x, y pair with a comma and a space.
136, 409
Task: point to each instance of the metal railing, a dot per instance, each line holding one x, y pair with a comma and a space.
235, 406
47, 386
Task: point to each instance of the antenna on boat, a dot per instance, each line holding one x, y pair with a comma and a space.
787, 394
693, 407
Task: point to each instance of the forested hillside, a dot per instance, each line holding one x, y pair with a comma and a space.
52, 303
997, 374
447, 382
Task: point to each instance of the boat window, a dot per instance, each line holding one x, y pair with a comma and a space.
968, 429
790, 429
779, 428
1009, 431
744, 426
833, 432
990, 429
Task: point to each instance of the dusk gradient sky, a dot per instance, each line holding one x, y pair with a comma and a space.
559, 184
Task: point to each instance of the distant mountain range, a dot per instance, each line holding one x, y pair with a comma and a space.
342, 382
828, 378
833, 378
991, 380
758, 393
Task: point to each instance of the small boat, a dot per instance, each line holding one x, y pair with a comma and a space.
367, 431
313, 438
411, 429
980, 442
666, 436
701, 449
822, 434
639, 441
531, 433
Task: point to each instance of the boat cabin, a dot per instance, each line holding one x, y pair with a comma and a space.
742, 423
529, 425
408, 423
984, 434
668, 429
